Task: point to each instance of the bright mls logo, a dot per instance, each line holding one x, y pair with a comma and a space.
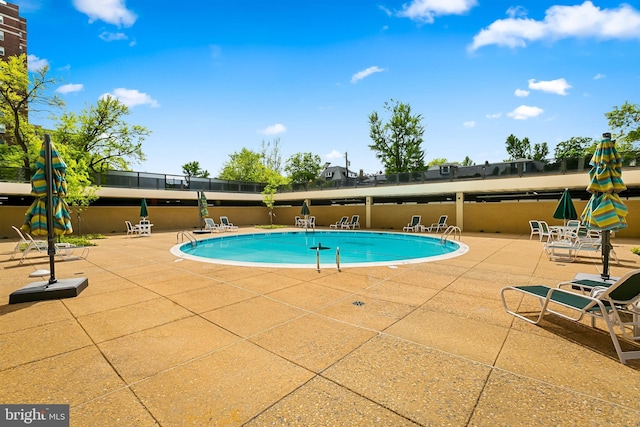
34, 415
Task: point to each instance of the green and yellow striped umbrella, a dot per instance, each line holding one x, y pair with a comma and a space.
606, 169
203, 205
36, 216
605, 210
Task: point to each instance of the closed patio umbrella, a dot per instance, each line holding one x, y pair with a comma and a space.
49, 215
565, 209
36, 219
605, 210
143, 209
305, 211
202, 204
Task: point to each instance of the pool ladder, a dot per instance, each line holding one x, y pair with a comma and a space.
318, 259
188, 235
452, 229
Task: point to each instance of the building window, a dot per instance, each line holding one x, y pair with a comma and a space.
1, 20
3, 128
1, 51
1, 35
328, 174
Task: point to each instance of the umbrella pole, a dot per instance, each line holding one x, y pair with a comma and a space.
606, 248
51, 246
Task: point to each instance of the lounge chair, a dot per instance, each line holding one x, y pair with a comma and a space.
414, 224
535, 228
437, 226
298, 221
27, 244
569, 248
210, 224
132, 229
616, 305
227, 225
353, 224
338, 224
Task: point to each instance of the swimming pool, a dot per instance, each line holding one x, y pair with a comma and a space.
298, 249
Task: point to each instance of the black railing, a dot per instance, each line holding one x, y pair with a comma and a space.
450, 172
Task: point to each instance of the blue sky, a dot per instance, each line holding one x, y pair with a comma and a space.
211, 77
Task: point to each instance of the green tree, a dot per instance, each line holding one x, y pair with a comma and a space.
271, 154
397, 143
438, 162
101, 134
245, 165
303, 167
624, 121
80, 190
540, 151
192, 169
467, 161
518, 149
573, 147
21, 93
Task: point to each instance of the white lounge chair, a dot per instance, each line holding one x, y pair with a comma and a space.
616, 305
227, 225
353, 224
414, 224
338, 224
210, 224
440, 225
27, 244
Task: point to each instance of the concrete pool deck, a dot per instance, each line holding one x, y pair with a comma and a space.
156, 340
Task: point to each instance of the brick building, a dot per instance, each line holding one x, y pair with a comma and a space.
13, 30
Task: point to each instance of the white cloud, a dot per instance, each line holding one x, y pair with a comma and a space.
469, 124
599, 76
109, 37
558, 86
426, 10
521, 93
273, 129
525, 112
365, 73
110, 11
333, 155
584, 21
494, 116
34, 63
70, 88
132, 97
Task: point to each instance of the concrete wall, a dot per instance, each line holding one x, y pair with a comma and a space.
504, 217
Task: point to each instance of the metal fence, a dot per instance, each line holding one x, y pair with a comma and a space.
447, 172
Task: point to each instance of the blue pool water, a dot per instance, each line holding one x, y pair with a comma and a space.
297, 249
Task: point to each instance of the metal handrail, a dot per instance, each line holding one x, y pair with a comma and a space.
452, 229
188, 235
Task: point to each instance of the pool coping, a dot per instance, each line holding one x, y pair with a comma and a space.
462, 249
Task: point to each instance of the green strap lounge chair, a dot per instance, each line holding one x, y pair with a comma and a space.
616, 305
414, 224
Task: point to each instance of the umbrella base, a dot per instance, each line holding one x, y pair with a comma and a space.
39, 291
